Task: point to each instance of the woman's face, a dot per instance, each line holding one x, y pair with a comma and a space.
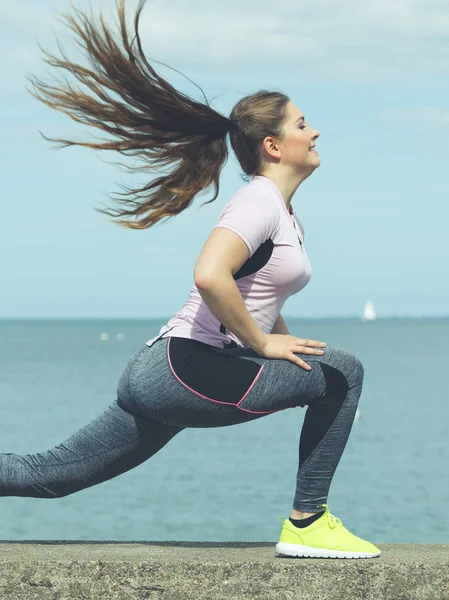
295, 148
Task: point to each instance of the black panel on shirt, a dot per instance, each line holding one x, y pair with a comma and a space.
255, 263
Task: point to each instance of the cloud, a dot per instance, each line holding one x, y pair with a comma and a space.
346, 39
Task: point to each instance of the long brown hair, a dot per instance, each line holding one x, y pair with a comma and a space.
156, 122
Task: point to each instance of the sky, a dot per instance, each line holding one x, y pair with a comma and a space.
371, 76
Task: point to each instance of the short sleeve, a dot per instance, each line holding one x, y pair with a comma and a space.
255, 220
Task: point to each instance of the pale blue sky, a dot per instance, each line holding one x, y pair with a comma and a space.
371, 77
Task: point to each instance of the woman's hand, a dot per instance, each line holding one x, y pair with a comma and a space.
283, 346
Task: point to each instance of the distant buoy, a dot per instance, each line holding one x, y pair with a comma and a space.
104, 336
120, 336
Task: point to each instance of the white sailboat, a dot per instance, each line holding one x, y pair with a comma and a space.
369, 314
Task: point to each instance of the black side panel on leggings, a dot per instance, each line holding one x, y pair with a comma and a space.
320, 415
209, 372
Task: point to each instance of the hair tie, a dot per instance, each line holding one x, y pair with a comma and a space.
233, 125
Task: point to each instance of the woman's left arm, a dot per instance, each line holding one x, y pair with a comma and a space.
280, 326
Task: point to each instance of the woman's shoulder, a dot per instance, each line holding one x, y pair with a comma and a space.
253, 196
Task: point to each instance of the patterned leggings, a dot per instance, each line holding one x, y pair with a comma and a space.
179, 383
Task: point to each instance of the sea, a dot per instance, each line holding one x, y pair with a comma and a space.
233, 483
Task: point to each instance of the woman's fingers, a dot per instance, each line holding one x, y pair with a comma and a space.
307, 346
306, 350
300, 362
305, 342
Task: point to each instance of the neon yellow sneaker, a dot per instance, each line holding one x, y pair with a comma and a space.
325, 538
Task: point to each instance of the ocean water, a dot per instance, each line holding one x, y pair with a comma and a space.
232, 483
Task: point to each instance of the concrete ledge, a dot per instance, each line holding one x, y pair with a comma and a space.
69, 570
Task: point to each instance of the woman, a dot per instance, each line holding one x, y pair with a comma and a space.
227, 356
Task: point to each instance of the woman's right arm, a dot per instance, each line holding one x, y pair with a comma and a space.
221, 257
225, 302
223, 254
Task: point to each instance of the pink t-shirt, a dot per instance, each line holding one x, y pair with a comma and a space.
277, 267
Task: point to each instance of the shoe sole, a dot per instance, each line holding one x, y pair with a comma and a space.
308, 551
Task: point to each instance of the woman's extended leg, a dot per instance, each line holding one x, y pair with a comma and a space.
114, 442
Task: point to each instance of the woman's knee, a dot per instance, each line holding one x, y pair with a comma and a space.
347, 363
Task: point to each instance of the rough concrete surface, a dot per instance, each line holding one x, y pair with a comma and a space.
66, 570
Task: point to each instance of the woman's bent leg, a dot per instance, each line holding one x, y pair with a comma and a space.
114, 442
331, 390
325, 432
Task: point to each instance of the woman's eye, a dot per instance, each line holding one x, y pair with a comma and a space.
303, 126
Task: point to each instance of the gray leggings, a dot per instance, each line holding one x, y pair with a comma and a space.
154, 403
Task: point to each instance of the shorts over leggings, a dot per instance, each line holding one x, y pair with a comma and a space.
179, 383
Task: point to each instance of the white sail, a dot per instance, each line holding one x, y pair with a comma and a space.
369, 314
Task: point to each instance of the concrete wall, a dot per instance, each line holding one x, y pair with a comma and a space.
215, 571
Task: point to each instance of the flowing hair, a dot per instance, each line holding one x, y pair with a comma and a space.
152, 120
